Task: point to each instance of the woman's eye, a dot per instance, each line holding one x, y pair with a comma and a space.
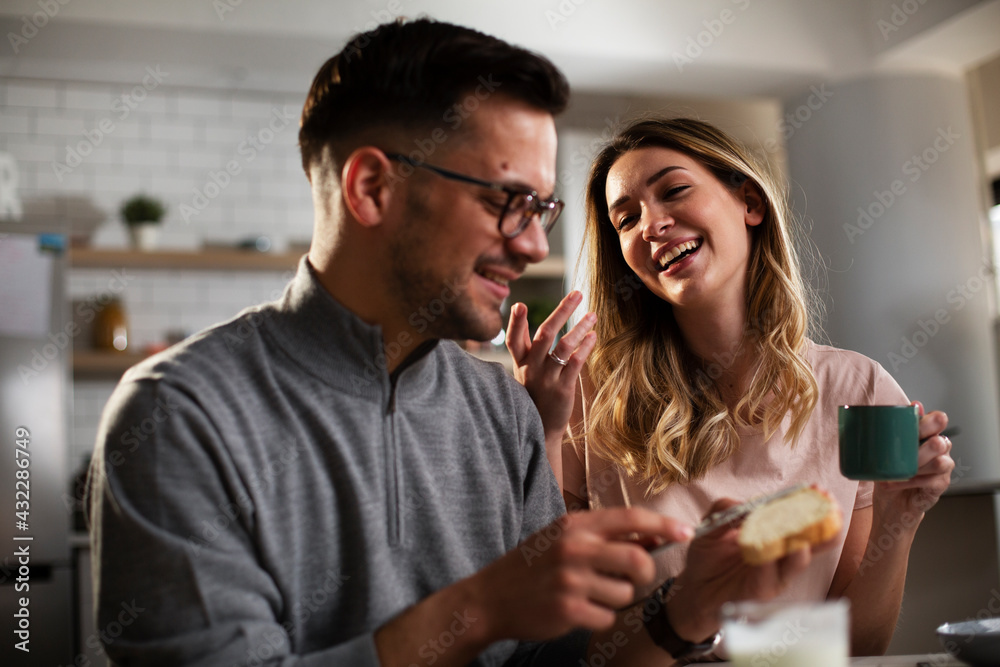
671, 192
626, 221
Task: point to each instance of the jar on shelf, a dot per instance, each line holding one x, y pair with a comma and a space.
111, 327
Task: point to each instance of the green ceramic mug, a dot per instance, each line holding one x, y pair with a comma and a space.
878, 442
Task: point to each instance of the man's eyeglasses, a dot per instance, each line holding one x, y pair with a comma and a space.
521, 206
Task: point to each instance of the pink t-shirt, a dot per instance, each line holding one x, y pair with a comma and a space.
758, 466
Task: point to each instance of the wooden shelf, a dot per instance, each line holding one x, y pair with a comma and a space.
550, 267
203, 260
233, 260
501, 356
105, 365
96, 364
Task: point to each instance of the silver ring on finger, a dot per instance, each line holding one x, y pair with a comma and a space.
561, 362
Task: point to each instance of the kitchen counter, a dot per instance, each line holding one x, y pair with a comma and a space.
969, 487
916, 660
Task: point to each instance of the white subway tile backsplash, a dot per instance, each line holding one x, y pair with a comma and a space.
129, 129
298, 223
28, 183
290, 163
134, 155
194, 320
127, 182
174, 131
89, 399
282, 188
33, 94
26, 150
197, 104
250, 108
149, 321
229, 138
47, 180
172, 188
255, 217
240, 188
107, 155
127, 100
70, 126
199, 223
184, 289
83, 96
194, 160
16, 121
168, 142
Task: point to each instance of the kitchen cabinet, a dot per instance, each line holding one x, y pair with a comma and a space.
954, 568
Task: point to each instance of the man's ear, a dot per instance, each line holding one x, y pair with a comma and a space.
754, 207
366, 181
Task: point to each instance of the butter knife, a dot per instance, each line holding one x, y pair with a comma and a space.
713, 521
717, 520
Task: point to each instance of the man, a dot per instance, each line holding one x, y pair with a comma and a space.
330, 480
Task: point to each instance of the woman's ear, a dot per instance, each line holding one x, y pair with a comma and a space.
753, 202
366, 181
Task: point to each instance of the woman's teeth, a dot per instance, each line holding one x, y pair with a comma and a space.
677, 252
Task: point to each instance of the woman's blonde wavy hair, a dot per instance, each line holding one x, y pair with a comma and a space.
657, 411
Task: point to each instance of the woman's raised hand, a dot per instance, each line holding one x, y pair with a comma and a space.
551, 377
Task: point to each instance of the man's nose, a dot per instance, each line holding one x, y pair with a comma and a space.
532, 243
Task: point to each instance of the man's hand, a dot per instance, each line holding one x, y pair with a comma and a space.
572, 574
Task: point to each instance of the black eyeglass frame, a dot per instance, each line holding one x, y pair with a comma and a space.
535, 204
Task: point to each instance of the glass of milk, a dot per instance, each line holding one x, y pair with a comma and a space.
777, 634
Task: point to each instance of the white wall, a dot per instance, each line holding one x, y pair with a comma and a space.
911, 285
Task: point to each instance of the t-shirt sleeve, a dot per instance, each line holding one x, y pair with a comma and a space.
884, 391
863, 498
171, 533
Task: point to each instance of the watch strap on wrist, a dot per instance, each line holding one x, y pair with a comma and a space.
663, 634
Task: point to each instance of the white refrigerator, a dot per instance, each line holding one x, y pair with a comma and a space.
36, 583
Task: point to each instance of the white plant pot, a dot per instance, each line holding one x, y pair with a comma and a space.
144, 235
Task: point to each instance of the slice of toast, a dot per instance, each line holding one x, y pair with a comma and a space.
808, 517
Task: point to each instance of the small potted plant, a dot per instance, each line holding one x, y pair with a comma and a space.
143, 215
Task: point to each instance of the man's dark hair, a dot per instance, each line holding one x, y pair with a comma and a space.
409, 76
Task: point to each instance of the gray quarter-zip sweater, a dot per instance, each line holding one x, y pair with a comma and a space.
266, 494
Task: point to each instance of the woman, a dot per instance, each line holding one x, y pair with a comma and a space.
703, 383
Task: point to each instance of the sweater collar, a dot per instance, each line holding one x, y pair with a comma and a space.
332, 343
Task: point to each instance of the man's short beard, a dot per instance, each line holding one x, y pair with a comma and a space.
447, 312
